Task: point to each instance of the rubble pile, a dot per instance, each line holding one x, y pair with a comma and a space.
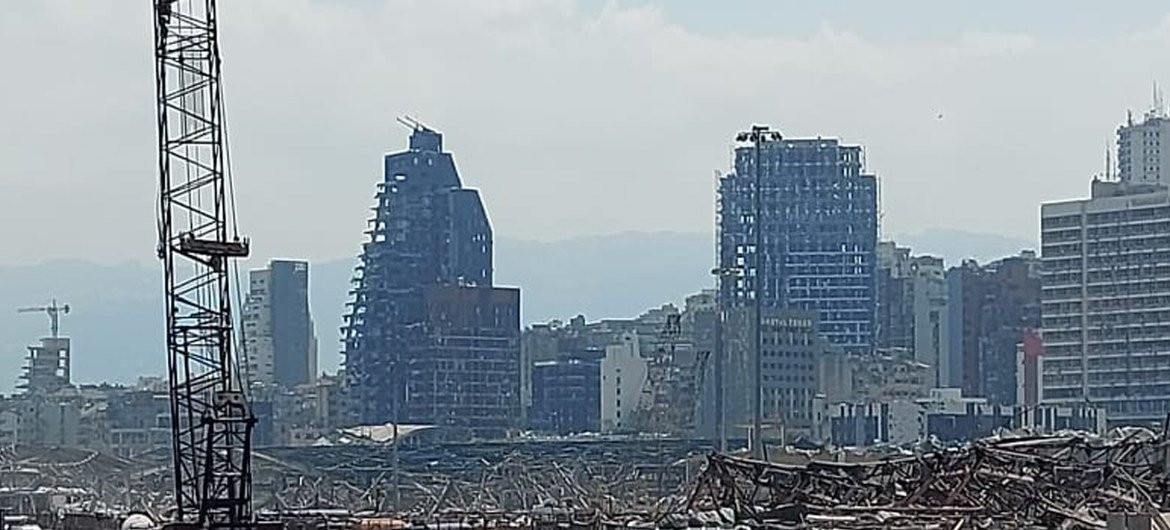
1073, 480
40, 479
603, 481
631, 480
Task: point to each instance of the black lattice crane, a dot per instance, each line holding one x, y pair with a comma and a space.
211, 424
54, 311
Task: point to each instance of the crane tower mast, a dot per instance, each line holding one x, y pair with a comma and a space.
211, 423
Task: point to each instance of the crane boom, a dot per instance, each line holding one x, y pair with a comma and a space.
54, 311
211, 424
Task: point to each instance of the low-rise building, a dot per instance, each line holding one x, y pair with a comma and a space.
947, 416
623, 377
879, 377
566, 394
139, 421
863, 424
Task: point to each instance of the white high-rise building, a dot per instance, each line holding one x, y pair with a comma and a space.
257, 330
1143, 149
1105, 301
623, 377
280, 345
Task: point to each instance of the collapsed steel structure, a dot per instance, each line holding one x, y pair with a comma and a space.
1069, 481
596, 480
635, 479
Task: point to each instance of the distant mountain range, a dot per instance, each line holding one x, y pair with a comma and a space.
957, 245
116, 323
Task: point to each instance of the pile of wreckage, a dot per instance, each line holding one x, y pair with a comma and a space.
1071, 480
513, 481
70, 488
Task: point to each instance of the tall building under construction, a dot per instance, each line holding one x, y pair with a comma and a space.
427, 338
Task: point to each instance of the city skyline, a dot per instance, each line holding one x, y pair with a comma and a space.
751, 240
862, 157
932, 115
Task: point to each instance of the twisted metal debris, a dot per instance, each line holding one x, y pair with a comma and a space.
89, 481
582, 481
1068, 481
589, 481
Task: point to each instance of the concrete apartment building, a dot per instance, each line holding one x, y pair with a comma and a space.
1142, 157
138, 421
1106, 301
47, 367
883, 376
793, 353
563, 360
280, 343
913, 309
993, 308
1105, 298
699, 321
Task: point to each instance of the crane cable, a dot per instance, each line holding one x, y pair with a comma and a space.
233, 226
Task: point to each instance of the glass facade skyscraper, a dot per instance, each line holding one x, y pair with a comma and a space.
818, 234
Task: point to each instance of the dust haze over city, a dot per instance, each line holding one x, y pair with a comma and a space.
677, 243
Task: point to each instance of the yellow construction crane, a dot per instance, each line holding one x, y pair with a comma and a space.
53, 310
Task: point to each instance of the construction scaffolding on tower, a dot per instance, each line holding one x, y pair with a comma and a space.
47, 367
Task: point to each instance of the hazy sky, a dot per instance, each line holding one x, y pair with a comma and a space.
573, 118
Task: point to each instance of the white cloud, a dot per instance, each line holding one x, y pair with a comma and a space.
570, 121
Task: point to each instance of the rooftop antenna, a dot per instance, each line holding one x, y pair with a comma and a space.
1161, 102
1108, 163
1158, 111
412, 123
